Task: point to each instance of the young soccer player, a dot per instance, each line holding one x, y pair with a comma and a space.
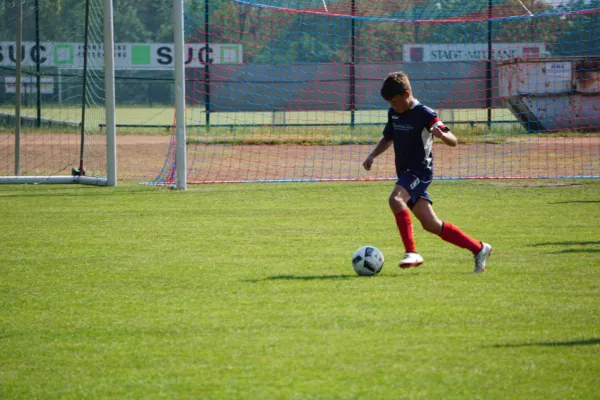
410, 128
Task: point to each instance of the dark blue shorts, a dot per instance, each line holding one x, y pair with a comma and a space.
416, 187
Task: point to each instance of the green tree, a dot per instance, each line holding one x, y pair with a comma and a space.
275, 36
578, 34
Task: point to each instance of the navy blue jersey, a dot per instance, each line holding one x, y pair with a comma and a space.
413, 140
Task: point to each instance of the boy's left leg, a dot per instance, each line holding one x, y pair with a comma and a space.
451, 233
409, 188
398, 199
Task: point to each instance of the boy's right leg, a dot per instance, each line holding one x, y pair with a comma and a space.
398, 203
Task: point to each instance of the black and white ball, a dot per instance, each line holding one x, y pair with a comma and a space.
367, 261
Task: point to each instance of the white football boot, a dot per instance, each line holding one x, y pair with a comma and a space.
481, 258
411, 260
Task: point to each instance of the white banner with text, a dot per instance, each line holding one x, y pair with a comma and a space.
127, 55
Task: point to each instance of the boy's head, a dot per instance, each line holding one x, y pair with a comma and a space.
396, 91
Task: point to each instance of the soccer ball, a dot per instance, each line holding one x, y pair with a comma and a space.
367, 261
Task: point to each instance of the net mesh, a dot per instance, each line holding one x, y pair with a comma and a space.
283, 90
51, 112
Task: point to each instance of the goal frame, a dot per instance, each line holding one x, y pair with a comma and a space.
109, 87
503, 145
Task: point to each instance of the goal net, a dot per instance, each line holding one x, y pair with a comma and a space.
286, 90
58, 92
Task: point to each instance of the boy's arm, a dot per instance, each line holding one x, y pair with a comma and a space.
381, 147
445, 135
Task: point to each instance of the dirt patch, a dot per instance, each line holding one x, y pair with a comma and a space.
141, 159
535, 158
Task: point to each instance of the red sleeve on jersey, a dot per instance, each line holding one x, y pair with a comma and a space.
442, 127
432, 122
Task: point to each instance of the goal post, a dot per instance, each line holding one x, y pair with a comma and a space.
180, 128
55, 142
285, 91
109, 89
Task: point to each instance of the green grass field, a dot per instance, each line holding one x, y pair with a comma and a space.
247, 292
259, 125
165, 115
290, 127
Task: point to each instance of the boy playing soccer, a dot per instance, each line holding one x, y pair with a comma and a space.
410, 128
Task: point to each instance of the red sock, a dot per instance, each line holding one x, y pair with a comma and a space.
406, 230
454, 235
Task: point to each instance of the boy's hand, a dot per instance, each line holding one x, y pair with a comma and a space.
437, 132
445, 135
368, 163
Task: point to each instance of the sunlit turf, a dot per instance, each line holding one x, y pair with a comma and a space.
247, 291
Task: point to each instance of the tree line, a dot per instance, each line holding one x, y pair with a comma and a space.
271, 36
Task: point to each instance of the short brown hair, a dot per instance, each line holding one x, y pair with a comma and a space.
396, 83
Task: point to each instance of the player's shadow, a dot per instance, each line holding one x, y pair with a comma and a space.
579, 251
305, 277
566, 243
570, 343
582, 249
290, 277
575, 201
